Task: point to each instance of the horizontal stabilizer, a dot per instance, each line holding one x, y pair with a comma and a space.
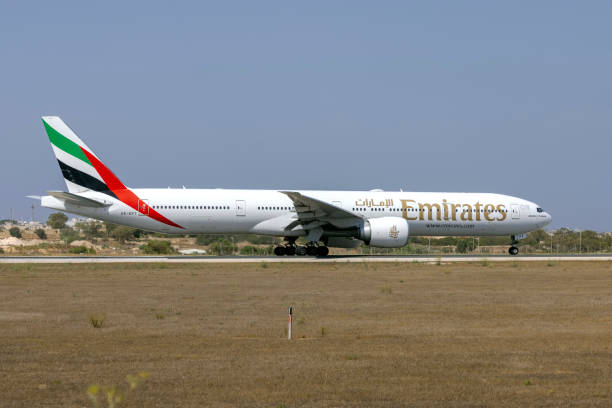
75, 199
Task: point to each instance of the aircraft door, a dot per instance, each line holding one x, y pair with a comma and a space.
240, 208
516, 211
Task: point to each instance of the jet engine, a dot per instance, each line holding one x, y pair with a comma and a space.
384, 232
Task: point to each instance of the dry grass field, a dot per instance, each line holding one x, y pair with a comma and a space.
372, 335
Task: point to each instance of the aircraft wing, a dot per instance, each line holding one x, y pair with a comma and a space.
312, 213
75, 199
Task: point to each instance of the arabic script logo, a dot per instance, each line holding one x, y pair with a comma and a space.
394, 232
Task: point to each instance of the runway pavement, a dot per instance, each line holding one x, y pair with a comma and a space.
334, 258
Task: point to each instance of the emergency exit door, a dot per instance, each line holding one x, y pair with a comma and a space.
240, 208
516, 211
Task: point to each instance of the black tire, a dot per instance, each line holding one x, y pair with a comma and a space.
279, 251
311, 250
300, 250
322, 251
513, 250
290, 250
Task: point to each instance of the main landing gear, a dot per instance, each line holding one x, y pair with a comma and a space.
290, 249
513, 250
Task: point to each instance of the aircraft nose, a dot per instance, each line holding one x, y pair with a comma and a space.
548, 219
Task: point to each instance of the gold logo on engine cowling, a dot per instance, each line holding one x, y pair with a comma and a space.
394, 232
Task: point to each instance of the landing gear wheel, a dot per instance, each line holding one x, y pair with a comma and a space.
322, 251
279, 251
513, 250
311, 250
290, 250
300, 250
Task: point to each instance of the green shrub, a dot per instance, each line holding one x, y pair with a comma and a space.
254, 250
15, 232
205, 239
1, 251
465, 245
222, 247
68, 235
90, 229
81, 249
40, 233
157, 247
122, 233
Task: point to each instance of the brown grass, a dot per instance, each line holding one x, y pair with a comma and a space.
448, 335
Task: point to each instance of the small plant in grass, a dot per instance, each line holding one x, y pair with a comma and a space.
386, 290
484, 262
515, 264
551, 263
528, 382
438, 261
323, 331
112, 396
352, 357
96, 321
264, 264
159, 316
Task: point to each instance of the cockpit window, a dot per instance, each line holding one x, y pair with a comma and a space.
540, 209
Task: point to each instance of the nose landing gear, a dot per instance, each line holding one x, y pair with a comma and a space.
513, 250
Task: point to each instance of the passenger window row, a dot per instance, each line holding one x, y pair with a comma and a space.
190, 207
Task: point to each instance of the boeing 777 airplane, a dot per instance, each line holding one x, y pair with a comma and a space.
341, 219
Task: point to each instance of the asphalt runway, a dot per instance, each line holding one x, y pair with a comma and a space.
332, 258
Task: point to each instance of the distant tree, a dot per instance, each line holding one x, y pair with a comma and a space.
109, 227
206, 239
40, 233
122, 233
15, 232
536, 238
157, 247
90, 229
464, 245
57, 220
68, 235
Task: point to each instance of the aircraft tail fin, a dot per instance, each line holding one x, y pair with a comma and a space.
81, 168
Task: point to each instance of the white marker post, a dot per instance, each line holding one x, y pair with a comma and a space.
290, 322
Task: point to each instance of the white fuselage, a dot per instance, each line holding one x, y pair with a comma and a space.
268, 212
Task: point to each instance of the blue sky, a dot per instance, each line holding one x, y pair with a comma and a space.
506, 97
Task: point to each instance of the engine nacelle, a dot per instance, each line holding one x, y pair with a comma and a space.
385, 232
